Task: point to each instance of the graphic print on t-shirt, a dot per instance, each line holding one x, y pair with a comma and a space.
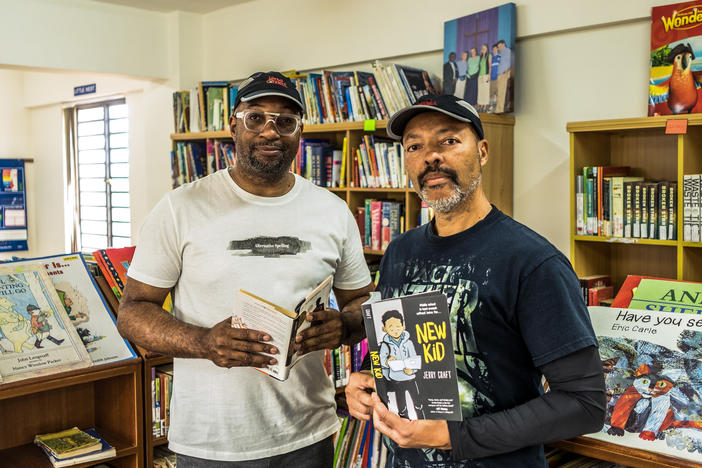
419, 276
263, 246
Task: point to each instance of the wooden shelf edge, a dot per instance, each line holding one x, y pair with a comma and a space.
692, 244
626, 240
635, 123
159, 441
621, 454
68, 378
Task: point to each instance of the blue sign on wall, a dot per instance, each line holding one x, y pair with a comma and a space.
84, 89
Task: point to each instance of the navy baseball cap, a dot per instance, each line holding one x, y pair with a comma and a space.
444, 103
270, 83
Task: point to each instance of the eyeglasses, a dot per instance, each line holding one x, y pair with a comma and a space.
256, 121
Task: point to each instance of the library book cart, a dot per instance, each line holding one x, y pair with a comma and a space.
642, 144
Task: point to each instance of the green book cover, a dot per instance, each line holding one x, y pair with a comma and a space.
668, 296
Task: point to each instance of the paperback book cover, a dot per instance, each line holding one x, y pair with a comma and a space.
479, 58
411, 352
36, 335
86, 308
676, 41
254, 312
668, 296
653, 373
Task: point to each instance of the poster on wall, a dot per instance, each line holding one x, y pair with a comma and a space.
479, 58
676, 64
13, 206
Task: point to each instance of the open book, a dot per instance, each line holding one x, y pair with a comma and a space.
411, 352
251, 311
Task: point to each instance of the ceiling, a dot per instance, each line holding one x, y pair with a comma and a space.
198, 6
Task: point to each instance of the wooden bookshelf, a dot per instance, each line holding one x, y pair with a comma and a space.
642, 144
106, 397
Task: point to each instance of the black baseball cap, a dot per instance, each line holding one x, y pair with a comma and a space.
444, 103
270, 83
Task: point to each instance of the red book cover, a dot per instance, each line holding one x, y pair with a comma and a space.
114, 263
376, 214
599, 293
626, 292
676, 40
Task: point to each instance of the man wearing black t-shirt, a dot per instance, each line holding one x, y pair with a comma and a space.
513, 296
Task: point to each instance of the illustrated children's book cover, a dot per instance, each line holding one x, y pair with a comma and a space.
36, 335
411, 351
682, 297
479, 58
676, 42
85, 307
283, 325
653, 372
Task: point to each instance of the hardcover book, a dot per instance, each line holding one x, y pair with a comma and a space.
36, 335
85, 307
411, 353
73, 446
653, 368
479, 58
676, 40
254, 312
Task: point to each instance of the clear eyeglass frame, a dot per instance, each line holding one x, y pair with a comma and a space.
269, 117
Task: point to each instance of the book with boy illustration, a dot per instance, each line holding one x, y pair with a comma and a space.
412, 359
256, 313
36, 335
652, 362
85, 307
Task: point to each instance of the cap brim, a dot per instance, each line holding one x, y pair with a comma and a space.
265, 92
398, 122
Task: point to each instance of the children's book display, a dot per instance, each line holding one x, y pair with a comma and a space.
653, 373
36, 334
411, 352
676, 43
73, 446
85, 307
256, 313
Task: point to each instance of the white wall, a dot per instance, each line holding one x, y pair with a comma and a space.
14, 123
81, 35
566, 69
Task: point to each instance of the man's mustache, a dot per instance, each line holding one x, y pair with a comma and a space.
453, 175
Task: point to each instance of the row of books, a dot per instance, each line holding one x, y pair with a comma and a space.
692, 207
358, 445
340, 362
379, 222
73, 446
611, 203
345, 96
318, 161
161, 391
205, 107
597, 289
193, 160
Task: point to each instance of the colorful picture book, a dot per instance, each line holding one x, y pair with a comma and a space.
653, 373
36, 334
113, 263
479, 58
676, 42
73, 446
254, 312
411, 352
86, 308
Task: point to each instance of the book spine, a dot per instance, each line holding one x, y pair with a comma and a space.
617, 207
385, 236
628, 208
644, 210
687, 208
636, 222
376, 214
695, 207
395, 228
606, 210
672, 211
652, 210
662, 211
591, 228
367, 239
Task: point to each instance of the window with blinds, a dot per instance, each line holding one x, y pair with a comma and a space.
103, 175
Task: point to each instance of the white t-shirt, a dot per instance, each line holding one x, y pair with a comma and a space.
211, 238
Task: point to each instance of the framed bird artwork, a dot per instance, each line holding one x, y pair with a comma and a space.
676, 59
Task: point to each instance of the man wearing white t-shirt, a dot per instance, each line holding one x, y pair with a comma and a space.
255, 226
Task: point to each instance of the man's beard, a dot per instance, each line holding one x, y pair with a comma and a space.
265, 169
457, 196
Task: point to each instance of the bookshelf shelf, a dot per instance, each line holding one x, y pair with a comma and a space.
625, 240
106, 397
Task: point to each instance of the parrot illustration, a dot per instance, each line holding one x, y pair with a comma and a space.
682, 94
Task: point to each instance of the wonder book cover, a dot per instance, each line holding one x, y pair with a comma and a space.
652, 362
85, 307
283, 325
479, 58
676, 66
411, 352
36, 335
